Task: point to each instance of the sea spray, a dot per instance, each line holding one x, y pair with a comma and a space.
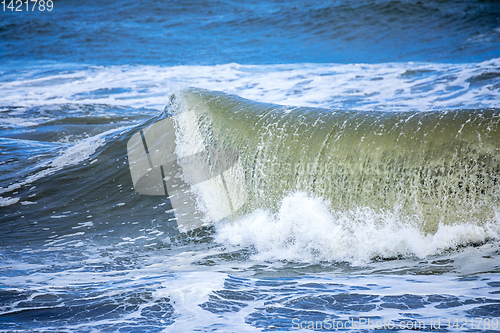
433, 168
306, 230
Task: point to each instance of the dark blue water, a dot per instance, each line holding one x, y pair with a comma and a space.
82, 251
253, 32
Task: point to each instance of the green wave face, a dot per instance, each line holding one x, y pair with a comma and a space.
432, 167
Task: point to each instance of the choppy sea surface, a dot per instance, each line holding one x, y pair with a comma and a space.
368, 134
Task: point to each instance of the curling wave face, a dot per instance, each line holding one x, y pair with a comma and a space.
431, 176
345, 185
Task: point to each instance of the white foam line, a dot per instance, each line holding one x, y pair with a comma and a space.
361, 86
4, 202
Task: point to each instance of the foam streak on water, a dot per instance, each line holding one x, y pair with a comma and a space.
171, 291
394, 86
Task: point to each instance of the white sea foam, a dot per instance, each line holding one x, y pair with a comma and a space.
394, 86
186, 293
4, 202
17, 122
305, 229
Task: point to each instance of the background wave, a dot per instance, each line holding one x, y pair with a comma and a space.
274, 32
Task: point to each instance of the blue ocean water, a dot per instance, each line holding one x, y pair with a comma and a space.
169, 33
82, 251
